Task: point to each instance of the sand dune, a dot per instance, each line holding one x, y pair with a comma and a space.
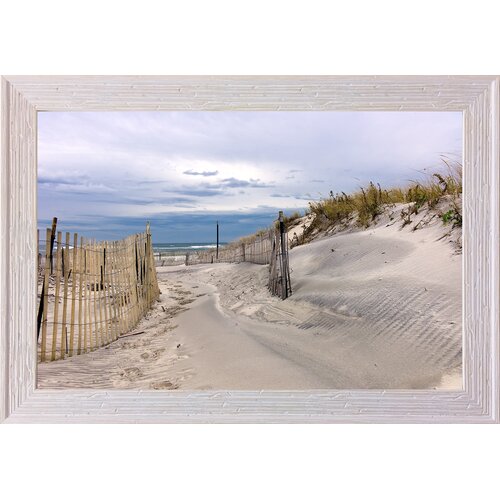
379, 308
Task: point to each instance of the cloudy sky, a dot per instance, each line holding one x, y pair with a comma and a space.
105, 174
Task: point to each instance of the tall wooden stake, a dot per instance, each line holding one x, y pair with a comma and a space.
52, 238
42, 312
217, 250
283, 257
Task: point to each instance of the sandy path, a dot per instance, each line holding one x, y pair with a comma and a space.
223, 352
186, 342
372, 309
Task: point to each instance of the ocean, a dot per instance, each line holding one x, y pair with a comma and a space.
164, 248
182, 248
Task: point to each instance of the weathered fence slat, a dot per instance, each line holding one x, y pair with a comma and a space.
73, 293
119, 277
86, 285
55, 319
112, 294
45, 298
81, 315
99, 294
65, 277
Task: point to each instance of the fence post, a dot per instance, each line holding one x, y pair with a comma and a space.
112, 293
52, 238
56, 299
120, 286
88, 322
65, 276
217, 247
95, 279
81, 301
284, 258
38, 250
42, 311
73, 293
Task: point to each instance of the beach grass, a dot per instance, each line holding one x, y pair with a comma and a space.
365, 204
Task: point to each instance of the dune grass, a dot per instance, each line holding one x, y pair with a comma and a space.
369, 202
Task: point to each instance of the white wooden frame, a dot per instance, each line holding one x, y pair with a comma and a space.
477, 97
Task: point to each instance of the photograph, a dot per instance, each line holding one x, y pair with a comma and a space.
249, 250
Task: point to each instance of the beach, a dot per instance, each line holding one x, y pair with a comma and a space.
373, 309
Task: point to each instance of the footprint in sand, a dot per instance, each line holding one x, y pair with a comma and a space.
154, 355
173, 311
164, 330
135, 345
131, 374
184, 302
164, 384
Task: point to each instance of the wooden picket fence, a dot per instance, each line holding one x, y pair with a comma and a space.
91, 292
269, 247
257, 251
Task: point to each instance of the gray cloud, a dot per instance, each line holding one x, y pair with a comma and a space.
201, 192
239, 183
204, 173
78, 185
295, 196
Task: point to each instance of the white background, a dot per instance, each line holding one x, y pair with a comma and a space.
257, 37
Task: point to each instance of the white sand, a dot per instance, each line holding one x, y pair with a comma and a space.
382, 310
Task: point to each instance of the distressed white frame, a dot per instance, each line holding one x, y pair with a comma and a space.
23, 96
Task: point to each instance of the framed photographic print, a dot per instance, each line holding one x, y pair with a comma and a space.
250, 249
